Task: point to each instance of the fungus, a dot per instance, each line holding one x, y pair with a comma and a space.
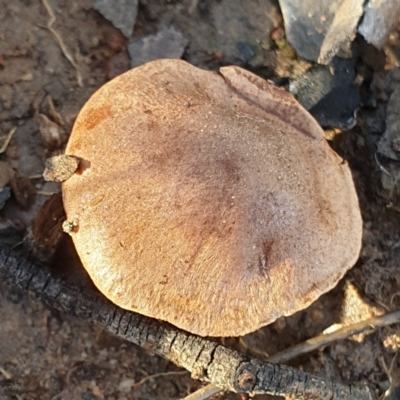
211, 201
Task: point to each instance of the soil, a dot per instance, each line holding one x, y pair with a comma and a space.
53, 356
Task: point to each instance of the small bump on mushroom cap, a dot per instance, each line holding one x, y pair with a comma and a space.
212, 201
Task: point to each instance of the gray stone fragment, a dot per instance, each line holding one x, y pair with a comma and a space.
166, 43
246, 51
319, 30
242, 28
342, 31
121, 13
380, 18
10, 233
306, 24
329, 93
5, 194
389, 143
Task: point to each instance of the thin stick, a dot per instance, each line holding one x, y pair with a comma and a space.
68, 381
392, 374
343, 333
9, 136
381, 167
203, 393
147, 378
314, 344
259, 353
5, 373
204, 358
395, 182
44, 193
61, 42
193, 5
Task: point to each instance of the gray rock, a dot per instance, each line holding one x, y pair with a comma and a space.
389, 145
241, 28
10, 233
5, 194
121, 13
380, 18
306, 24
246, 51
342, 32
319, 30
166, 43
329, 93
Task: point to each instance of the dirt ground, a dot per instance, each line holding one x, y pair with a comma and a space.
57, 357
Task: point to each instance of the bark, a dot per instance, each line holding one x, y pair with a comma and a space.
205, 359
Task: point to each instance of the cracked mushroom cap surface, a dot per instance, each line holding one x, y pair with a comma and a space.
208, 200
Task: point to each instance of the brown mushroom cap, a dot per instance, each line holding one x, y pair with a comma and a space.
211, 201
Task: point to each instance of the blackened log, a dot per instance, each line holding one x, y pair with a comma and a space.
205, 359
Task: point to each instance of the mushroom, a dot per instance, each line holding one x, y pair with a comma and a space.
210, 200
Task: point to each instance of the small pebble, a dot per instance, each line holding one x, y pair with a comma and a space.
60, 168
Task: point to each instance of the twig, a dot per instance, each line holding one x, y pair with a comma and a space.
68, 380
54, 114
395, 182
203, 393
147, 378
381, 167
262, 354
208, 391
5, 373
205, 359
44, 193
7, 141
321, 341
343, 333
61, 42
193, 6
392, 373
